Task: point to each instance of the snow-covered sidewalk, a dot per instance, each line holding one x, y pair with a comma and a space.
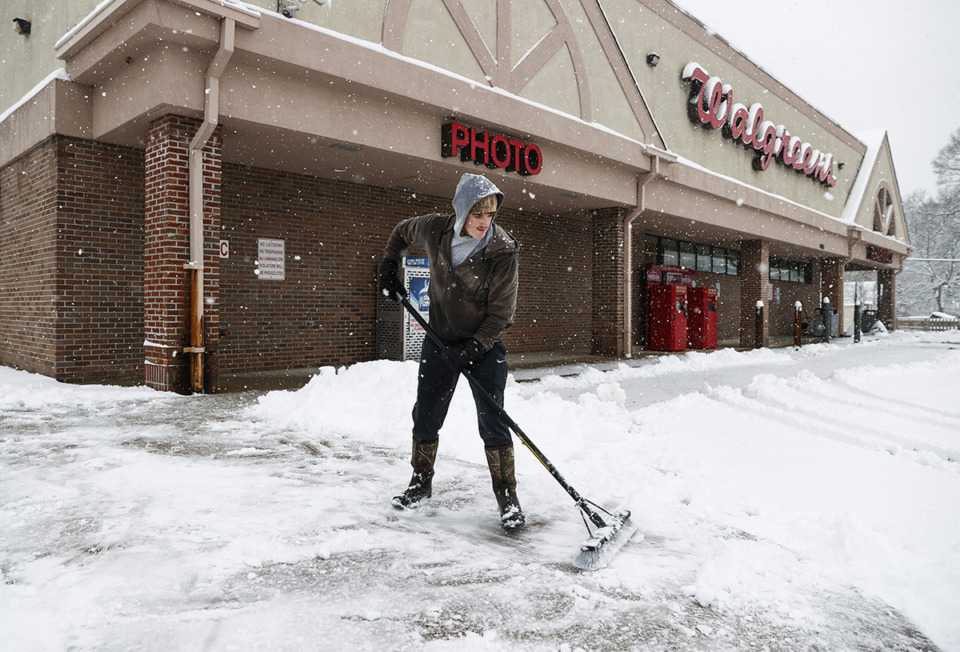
786, 499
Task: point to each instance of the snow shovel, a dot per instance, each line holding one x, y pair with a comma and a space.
609, 532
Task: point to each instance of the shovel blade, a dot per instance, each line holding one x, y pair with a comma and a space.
597, 551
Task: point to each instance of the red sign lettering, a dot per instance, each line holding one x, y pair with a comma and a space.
496, 151
879, 255
711, 105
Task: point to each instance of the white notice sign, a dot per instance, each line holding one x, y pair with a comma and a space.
270, 260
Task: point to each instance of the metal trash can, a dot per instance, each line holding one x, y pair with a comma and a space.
399, 336
818, 321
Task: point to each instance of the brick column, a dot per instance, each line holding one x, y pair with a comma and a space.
167, 250
608, 292
831, 279
754, 286
887, 310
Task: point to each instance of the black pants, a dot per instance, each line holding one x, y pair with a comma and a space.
435, 387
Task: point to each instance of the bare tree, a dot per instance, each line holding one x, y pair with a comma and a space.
931, 276
946, 165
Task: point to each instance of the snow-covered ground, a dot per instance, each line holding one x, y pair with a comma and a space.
786, 500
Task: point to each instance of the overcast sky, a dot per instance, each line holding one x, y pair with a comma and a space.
867, 64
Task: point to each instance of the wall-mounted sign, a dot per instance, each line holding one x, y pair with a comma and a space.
224, 248
712, 105
494, 151
271, 262
879, 255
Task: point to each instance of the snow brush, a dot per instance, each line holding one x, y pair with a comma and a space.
609, 532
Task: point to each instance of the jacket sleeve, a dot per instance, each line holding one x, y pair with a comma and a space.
411, 231
501, 302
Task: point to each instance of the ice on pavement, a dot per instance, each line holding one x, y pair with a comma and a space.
787, 500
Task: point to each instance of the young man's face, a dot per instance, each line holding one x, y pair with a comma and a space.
480, 217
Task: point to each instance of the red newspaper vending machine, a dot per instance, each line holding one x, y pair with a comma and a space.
667, 317
702, 318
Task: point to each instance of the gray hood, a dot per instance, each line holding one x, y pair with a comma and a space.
471, 189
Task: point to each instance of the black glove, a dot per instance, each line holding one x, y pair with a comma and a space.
390, 284
465, 354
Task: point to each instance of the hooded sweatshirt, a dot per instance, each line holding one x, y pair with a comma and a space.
476, 298
471, 189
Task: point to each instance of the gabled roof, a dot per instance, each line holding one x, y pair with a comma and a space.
876, 181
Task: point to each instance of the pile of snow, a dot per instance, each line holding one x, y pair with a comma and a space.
784, 498
854, 476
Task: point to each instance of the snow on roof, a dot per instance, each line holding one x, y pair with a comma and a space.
59, 73
873, 140
89, 18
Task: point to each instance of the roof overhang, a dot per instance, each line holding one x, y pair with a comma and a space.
304, 99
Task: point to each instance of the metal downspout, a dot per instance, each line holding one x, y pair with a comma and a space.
211, 117
655, 156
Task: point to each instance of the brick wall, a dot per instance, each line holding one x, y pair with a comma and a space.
334, 234
754, 286
887, 310
554, 306
323, 312
28, 250
71, 252
607, 275
832, 286
94, 238
166, 281
100, 262
782, 315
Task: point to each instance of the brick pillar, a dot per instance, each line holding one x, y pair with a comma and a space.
887, 310
167, 250
831, 280
608, 292
754, 286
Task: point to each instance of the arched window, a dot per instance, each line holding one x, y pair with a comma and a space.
883, 221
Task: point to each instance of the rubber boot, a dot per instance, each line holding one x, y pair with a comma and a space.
421, 484
500, 461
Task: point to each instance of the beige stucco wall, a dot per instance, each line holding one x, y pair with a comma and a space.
610, 107
642, 31
431, 35
26, 60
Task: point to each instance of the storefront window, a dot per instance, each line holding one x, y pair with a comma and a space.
704, 259
650, 245
792, 271
671, 255
733, 262
719, 260
699, 257
688, 255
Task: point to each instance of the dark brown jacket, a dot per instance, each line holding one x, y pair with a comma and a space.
478, 299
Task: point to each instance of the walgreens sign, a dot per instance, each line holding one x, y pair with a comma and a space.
712, 105
494, 151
